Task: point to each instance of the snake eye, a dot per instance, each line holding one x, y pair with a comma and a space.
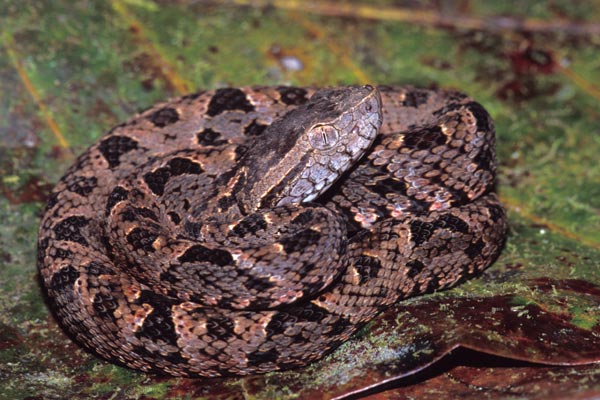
323, 137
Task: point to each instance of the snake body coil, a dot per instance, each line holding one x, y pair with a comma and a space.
247, 230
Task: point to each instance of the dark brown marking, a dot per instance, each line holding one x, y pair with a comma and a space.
158, 326
41, 250
192, 228
425, 138
180, 166
389, 185
433, 282
141, 238
52, 201
497, 213
157, 179
199, 253
415, 267
96, 268
228, 99
220, 327
304, 218
300, 240
174, 217
420, 231
415, 98
82, 185
130, 214
114, 147
208, 137
474, 249
70, 228
449, 221
259, 285
164, 116
146, 213
64, 279
261, 357
251, 224
226, 202
272, 196
105, 304
485, 159
293, 96
118, 194
459, 196
63, 253
368, 267
255, 129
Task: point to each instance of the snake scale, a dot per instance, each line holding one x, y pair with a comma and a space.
255, 229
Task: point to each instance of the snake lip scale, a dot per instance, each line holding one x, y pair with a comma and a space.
246, 230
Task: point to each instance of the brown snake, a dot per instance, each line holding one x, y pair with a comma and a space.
249, 230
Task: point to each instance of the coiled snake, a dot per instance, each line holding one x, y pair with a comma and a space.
247, 230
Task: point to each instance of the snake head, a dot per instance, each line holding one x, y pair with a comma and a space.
301, 155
